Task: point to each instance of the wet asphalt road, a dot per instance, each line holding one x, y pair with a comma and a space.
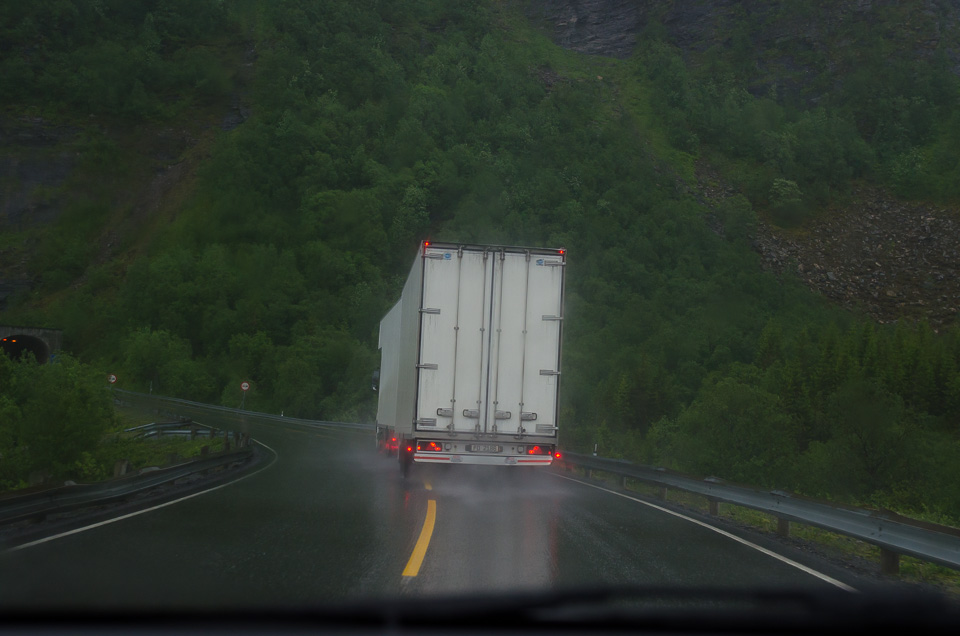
328, 519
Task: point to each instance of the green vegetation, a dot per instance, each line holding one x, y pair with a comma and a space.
112, 58
58, 420
116, 445
376, 124
50, 415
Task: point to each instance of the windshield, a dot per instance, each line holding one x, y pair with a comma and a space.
305, 303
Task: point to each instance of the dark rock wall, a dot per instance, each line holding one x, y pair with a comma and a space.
611, 27
33, 166
595, 27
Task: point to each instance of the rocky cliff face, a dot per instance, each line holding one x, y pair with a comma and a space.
787, 40
33, 165
595, 27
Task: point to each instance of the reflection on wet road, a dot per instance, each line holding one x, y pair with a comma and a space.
333, 520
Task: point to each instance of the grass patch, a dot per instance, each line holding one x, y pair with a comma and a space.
138, 451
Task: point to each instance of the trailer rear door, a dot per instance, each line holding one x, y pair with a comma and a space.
490, 328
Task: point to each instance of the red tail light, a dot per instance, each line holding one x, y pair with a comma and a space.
430, 446
557, 454
538, 450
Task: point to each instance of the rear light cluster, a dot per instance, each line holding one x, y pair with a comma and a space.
430, 447
537, 450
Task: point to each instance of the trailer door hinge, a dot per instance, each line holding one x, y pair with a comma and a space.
549, 372
429, 310
432, 365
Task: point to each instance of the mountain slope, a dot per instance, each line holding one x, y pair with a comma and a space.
267, 250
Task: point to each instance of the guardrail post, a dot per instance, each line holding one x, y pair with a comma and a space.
623, 481
714, 507
120, 467
783, 527
889, 562
662, 492
588, 473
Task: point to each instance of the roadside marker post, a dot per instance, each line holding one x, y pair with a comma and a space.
244, 386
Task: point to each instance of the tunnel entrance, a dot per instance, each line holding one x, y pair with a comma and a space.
14, 346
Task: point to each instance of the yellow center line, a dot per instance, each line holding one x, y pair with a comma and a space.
427, 485
420, 550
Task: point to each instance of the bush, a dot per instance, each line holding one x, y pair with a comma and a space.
786, 202
50, 414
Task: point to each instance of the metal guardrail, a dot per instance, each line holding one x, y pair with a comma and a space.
180, 428
267, 416
894, 534
36, 505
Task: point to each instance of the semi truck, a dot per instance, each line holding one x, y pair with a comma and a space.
470, 358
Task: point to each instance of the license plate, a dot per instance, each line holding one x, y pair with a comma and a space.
484, 448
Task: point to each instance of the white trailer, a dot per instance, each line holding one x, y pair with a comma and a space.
470, 357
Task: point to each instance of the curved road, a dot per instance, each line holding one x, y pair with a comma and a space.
329, 520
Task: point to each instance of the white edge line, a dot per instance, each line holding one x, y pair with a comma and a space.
145, 510
779, 557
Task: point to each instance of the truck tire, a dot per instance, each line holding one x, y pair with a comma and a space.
406, 459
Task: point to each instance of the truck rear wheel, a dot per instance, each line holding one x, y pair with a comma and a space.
405, 456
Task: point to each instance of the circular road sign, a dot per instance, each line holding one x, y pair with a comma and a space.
112, 379
245, 386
